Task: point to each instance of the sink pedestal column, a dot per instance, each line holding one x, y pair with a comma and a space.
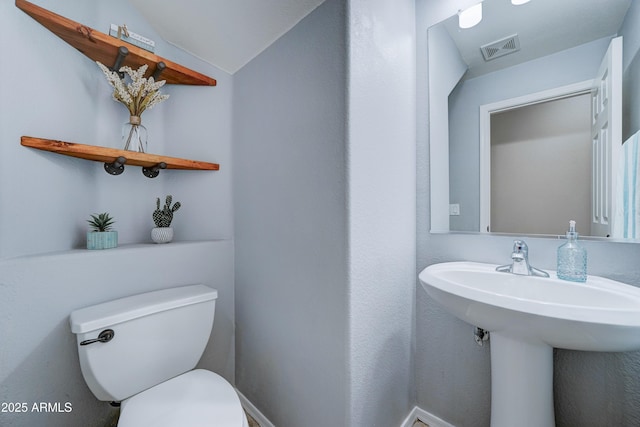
521, 382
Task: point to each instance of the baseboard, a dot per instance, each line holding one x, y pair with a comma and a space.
415, 414
427, 418
253, 411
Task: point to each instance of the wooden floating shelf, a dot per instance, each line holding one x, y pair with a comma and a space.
110, 155
102, 47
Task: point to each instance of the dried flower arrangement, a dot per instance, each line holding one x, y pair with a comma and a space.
139, 95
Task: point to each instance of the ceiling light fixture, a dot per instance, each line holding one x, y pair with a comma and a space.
470, 17
519, 2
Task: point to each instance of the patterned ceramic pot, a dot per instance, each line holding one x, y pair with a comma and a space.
162, 234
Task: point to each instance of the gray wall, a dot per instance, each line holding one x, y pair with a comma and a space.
325, 236
291, 224
50, 90
443, 78
452, 372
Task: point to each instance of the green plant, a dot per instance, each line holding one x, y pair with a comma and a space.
163, 218
101, 222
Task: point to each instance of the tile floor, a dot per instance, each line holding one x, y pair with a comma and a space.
252, 422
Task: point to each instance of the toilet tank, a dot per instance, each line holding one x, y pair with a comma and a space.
157, 336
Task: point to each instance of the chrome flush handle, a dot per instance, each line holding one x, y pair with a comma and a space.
104, 336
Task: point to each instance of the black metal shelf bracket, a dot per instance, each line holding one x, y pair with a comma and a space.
153, 171
122, 54
160, 67
117, 167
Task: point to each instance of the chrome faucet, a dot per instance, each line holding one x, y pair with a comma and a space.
520, 262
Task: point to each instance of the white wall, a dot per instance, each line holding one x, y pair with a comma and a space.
381, 207
50, 90
452, 373
381, 204
39, 352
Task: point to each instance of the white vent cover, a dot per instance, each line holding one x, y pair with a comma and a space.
500, 47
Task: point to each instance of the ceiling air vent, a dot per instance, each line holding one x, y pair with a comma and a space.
500, 47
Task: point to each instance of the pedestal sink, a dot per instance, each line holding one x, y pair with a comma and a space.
527, 316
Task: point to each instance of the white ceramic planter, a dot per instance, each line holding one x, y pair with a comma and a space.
102, 239
162, 234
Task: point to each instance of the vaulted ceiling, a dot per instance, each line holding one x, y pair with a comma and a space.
229, 33
225, 33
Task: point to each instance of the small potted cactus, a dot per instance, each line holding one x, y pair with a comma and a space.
163, 233
101, 235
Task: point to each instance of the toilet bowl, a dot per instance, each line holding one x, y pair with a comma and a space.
141, 351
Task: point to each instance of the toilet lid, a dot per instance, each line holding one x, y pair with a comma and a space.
198, 398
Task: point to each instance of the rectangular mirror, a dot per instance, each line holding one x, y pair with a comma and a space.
528, 113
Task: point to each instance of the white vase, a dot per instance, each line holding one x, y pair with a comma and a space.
162, 234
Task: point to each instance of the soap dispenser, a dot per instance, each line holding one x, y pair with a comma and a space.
572, 257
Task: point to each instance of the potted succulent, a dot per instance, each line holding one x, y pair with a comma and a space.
101, 235
163, 233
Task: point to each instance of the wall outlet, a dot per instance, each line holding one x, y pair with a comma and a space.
454, 209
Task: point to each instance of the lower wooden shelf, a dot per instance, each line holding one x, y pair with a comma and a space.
111, 155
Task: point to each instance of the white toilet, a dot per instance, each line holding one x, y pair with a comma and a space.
141, 351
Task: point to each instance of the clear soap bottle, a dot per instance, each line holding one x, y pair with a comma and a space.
572, 257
